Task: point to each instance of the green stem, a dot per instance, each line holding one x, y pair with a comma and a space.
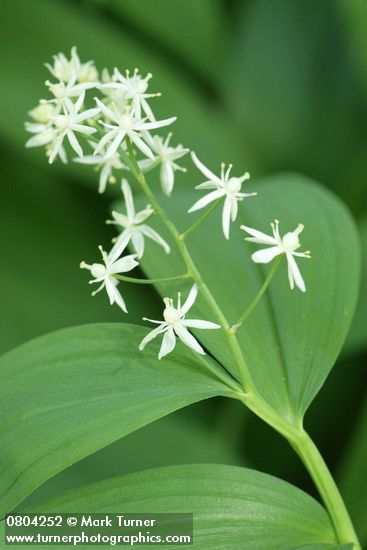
186, 233
191, 267
318, 470
258, 296
303, 445
291, 428
150, 281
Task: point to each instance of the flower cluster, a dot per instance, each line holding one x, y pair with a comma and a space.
121, 111
116, 130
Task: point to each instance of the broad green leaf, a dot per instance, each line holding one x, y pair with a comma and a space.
233, 507
174, 439
353, 475
291, 341
357, 338
67, 394
324, 547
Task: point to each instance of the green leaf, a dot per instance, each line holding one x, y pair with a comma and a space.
353, 475
72, 392
323, 547
291, 340
233, 507
357, 338
174, 439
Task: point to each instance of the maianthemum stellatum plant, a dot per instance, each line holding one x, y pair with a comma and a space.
231, 325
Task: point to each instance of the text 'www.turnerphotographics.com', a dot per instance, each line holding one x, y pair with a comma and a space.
110, 529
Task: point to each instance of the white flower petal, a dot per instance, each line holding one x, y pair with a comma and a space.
152, 334
141, 216
188, 339
258, 236
234, 208
206, 185
119, 246
114, 253
168, 343
105, 110
79, 101
266, 255
190, 299
56, 148
155, 124
85, 115
199, 323
226, 216
40, 139
82, 128
62, 155
127, 263
155, 321
88, 159
115, 144
119, 300
103, 178
129, 202
141, 145
167, 178
144, 164
110, 287
147, 110
138, 242
152, 234
35, 127
114, 295
204, 170
204, 201
294, 273
104, 140
119, 219
74, 143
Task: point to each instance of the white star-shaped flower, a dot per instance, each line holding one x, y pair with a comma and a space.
62, 91
65, 69
166, 155
106, 166
134, 89
134, 227
126, 125
43, 134
43, 130
288, 244
224, 186
68, 123
175, 324
43, 112
104, 274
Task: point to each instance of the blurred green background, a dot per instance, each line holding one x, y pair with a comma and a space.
269, 86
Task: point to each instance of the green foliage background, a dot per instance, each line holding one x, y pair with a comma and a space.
269, 86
